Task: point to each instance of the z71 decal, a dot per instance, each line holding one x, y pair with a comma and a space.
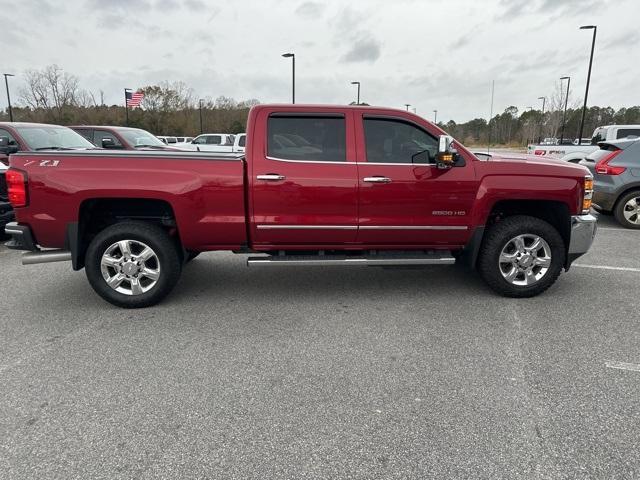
43, 163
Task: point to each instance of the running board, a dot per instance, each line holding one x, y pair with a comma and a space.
46, 256
338, 260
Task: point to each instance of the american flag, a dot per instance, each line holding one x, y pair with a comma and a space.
133, 98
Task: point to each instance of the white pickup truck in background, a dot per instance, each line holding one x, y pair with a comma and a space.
211, 142
575, 153
240, 142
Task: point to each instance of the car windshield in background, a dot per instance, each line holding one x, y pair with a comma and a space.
243, 141
140, 138
44, 137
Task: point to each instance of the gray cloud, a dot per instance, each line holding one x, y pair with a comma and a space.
194, 5
312, 10
516, 8
623, 40
363, 50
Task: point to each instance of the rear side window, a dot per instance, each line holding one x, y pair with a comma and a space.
88, 134
628, 132
600, 135
310, 138
214, 140
396, 141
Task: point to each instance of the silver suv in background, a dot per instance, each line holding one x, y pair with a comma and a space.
616, 171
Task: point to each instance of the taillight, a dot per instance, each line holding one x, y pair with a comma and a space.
588, 194
603, 167
16, 188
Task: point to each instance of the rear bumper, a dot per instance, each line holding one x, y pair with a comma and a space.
604, 200
6, 214
583, 231
21, 237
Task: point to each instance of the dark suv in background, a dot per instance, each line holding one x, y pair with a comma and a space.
616, 171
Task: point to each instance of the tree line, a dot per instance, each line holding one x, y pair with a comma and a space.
52, 95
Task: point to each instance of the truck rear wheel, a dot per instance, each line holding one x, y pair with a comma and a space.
132, 264
521, 256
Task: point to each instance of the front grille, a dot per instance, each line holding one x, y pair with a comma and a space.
3, 188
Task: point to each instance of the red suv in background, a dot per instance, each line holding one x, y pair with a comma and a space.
120, 138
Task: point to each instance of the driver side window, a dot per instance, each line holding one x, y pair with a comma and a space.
396, 141
5, 133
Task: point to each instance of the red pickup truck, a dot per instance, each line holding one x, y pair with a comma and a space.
317, 185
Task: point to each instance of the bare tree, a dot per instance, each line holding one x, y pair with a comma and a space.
54, 90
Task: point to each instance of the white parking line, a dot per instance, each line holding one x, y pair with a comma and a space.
633, 367
616, 229
607, 267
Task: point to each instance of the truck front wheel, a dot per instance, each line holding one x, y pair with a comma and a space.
521, 256
132, 264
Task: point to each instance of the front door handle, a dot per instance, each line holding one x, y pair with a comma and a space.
377, 179
271, 177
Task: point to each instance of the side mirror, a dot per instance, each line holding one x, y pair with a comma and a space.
447, 155
108, 143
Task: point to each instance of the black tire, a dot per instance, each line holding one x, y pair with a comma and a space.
606, 213
166, 254
191, 255
618, 210
499, 235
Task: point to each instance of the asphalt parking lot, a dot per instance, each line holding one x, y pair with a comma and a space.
323, 373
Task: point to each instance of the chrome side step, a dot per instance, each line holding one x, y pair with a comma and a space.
338, 260
46, 256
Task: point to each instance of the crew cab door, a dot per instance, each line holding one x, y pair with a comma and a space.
404, 199
303, 178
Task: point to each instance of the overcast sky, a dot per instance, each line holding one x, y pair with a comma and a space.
433, 54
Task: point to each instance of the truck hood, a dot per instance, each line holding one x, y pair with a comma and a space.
539, 164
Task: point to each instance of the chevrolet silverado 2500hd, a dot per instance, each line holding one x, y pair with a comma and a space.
317, 185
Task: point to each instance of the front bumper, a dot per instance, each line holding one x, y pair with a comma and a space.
583, 231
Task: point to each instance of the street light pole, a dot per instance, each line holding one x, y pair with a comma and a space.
292, 56
200, 108
566, 100
435, 117
586, 92
6, 83
544, 100
358, 84
407, 105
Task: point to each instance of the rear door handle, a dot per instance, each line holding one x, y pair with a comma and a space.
377, 179
271, 177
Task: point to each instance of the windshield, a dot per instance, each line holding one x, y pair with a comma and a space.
51, 136
139, 138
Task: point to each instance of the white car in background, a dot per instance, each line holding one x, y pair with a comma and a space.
240, 142
574, 153
211, 142
167, 140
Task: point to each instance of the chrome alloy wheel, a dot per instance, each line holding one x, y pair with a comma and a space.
525, 259
130, 267
631, 211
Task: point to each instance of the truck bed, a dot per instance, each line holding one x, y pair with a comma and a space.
205, 190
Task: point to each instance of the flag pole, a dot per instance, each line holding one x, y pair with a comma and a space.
126, 108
